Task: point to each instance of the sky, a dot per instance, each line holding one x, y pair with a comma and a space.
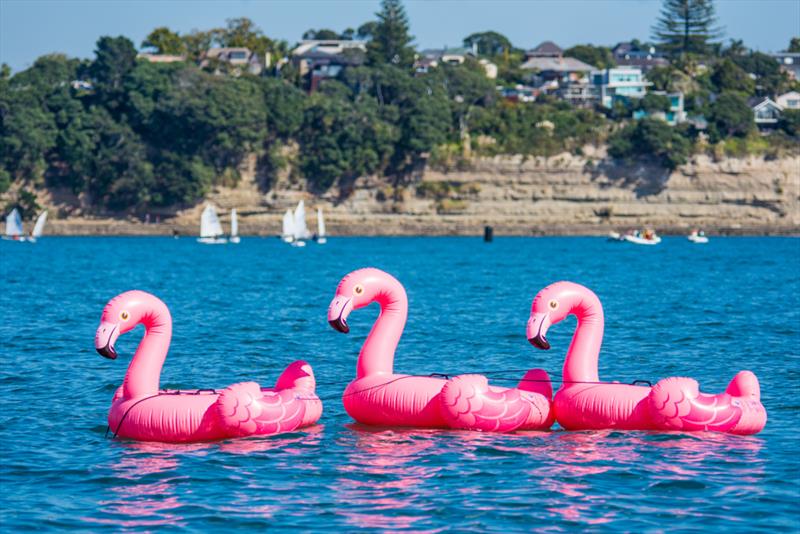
31, 28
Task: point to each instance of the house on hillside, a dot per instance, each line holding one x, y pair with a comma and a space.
790, 63
766, 111
432, 58
545, 49
619, 84
790, 100
550, 70
240, 58
628, 54
160, 58
321, 59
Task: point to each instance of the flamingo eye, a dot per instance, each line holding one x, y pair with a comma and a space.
358, 290
124, 315
553, 304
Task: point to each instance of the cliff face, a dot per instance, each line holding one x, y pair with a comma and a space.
563, 194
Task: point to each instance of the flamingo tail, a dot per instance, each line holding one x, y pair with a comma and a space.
469, 403
299, 377
538, 391
246, 410
677, 404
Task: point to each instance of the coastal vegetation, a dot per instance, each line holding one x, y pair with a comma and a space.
124, 134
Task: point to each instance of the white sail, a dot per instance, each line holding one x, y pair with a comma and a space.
234, 224
320, 223
287, 232
38, 229
209, 223
13, 224
300, 227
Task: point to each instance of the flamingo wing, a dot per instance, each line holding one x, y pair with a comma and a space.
245, 409
677, 404
469, 403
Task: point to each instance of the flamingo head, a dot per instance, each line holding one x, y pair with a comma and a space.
553, 304
358, 289
121, 315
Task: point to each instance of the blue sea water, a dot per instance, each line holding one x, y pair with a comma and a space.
244, 311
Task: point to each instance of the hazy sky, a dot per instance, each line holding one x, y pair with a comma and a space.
30, 28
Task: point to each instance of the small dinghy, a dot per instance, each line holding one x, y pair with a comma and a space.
14, 226
299, 229
698, 236
210, 228
287, 232
234, 227
321, 239
38, 228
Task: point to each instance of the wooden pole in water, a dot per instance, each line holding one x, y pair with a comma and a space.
488, 234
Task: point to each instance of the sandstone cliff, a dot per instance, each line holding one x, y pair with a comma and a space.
565, 194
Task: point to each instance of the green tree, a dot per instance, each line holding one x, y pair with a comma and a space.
653, 103
730, 115
652, 139
391, 42
488, 44
321, 34
597, 56
794, 46
686, 26
790, 122
196, 43
115, 59
241, 32
769, 78
165, 41
727, 76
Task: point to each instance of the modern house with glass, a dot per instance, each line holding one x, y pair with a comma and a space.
619, 84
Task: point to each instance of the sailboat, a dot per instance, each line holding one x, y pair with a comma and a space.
300, 230
321, 239
210, 228
14, 226
234, 227
38, 228
287, 232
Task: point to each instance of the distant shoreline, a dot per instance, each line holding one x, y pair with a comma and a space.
397, 227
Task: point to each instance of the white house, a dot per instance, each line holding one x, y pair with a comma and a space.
619, 83
766, 111
790, 100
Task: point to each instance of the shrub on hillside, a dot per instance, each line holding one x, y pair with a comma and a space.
651, 139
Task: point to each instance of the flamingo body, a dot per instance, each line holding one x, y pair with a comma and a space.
675, 403
378, 396
140, 410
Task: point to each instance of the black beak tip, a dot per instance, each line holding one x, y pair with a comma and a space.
107, 352
540, 342
340, 325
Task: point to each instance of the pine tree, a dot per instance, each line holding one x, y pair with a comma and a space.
686, 26
390, 39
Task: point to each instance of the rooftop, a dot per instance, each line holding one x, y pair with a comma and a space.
545, 49
556, 64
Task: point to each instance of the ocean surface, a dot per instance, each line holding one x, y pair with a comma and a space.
244, 311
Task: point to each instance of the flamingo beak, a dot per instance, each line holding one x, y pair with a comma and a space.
104, 339
537, 329
338, 311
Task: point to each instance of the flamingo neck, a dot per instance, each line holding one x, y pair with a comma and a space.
377, 353
584, 350
144, 372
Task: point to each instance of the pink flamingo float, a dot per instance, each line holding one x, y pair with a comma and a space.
142, 411
675, 403
379, 396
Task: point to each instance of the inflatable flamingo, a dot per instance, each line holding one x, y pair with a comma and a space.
378, 396
141, 411
583, 402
